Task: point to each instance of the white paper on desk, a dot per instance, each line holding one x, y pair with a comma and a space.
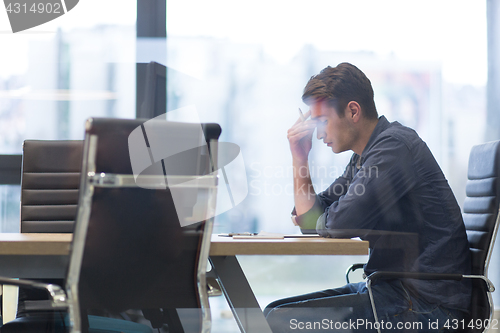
356, 238
261, 235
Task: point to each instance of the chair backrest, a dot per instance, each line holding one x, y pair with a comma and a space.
482, 203
481, 218
129, 249
50, 185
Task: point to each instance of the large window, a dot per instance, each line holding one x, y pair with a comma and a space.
54, 76
244, 65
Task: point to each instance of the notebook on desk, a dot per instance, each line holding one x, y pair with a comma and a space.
254, 235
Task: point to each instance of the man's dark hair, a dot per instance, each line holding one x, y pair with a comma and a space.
340, 85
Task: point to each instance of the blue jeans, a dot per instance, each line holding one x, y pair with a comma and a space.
348, 309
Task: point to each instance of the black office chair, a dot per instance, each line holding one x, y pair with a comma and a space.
481, 218
49, 197
129, 249
49, 185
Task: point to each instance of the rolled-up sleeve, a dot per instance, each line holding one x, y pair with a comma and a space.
324, 199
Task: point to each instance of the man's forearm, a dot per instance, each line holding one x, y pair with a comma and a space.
304, 194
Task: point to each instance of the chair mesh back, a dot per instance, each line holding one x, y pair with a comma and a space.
136, 253
49, 185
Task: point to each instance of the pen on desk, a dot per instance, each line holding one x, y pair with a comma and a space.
302, 115
231, 234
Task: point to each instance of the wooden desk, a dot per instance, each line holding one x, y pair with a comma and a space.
34, 255
235, 286
46, 256
34, 244
59, 244
227, 246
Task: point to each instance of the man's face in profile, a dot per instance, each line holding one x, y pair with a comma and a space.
335, 131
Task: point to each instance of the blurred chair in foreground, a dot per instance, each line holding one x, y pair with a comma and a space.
132, 248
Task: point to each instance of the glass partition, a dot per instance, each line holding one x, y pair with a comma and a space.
245, 64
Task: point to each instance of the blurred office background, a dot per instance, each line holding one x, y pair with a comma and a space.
244, 64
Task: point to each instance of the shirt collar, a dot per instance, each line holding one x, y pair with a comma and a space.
382, 125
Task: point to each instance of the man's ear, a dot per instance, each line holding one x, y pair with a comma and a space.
354, 111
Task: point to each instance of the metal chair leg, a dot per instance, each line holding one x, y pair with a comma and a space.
372, 301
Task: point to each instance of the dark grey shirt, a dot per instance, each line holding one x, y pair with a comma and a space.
396, 197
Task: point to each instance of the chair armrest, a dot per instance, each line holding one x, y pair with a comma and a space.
353, 268
413, 275
427, 276
56, 293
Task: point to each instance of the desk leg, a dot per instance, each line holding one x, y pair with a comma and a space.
239, 295
9, 303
